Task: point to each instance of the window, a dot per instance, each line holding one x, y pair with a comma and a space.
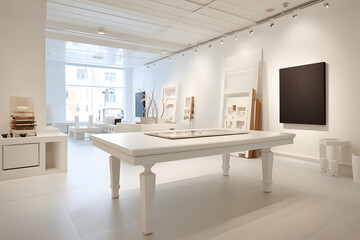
90, 90
81, 74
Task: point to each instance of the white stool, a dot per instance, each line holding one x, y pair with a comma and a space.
331, 152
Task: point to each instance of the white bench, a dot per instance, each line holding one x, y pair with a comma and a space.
79, 132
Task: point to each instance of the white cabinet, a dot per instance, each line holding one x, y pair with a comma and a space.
32, 156
20, 156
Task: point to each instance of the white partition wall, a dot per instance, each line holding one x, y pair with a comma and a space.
22, 60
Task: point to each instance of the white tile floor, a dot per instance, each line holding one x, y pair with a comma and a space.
193, 201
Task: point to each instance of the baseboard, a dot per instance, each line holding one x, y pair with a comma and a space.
344, 168
297, 157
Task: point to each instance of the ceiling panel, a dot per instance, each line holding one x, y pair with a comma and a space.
151, 25
55, 9
96, 23
181, 4
233, 9
218, 14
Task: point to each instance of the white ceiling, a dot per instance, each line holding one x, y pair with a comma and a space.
150, 26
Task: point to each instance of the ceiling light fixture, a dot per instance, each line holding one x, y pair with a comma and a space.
295, 15
101, 31
183, 54
222, 41
147, 66
236, 38
272, 24
210, 45
326, 5
251, 31
286, 4
164, 52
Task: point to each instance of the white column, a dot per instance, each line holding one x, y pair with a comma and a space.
267, 166
226, 164
114, 164
147, 189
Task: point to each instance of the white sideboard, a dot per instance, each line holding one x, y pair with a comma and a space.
31, 156
132, 127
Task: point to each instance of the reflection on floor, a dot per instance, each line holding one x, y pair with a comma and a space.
193, 201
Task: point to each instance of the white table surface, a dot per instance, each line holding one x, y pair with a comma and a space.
137, 144
137, 148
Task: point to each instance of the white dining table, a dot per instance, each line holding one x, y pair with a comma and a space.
137, 148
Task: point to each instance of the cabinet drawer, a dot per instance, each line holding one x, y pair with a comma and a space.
20, 156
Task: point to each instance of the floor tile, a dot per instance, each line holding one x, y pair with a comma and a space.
30, 207
26, 187
56, 226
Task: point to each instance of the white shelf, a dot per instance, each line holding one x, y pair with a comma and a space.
52, 155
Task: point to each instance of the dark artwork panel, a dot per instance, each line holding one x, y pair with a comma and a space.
303, 94
139, 104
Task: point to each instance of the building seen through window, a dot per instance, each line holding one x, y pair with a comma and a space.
92, 90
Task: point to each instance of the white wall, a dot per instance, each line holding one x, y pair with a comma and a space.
55, 89
22, 60
317, 35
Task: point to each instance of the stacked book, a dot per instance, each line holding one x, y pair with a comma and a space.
22, 122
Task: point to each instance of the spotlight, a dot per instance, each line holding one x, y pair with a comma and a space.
326, 5
251, 31
147, 66
272, 24
294, 15
222, 41
210, 45
195, 50
183, 54
236, 38
101, 31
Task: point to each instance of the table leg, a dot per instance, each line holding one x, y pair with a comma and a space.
267, 166
147, 189
114, 164
226, 164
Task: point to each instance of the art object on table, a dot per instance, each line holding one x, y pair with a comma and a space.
303, 94
140, 104
189, 109
240, 107
22, 116
196, 133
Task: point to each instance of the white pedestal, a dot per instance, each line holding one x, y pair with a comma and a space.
332, 152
